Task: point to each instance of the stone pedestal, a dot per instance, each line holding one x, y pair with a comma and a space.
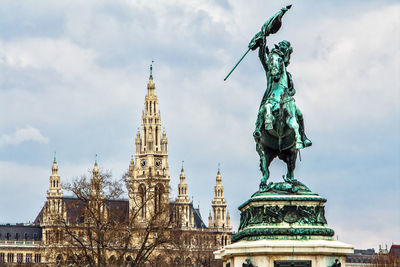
264, 253
281, 229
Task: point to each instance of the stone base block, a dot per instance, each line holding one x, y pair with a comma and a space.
270, 253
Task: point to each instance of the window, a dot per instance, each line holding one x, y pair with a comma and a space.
20, 257
2, 257
10, 257
38, 258
29, 257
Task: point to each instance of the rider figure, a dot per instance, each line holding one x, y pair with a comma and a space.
270, 101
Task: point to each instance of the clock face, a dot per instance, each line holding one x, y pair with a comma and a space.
158, 163
143, 163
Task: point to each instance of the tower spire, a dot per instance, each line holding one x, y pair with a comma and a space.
151, 69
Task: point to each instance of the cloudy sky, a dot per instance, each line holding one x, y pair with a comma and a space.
73, 78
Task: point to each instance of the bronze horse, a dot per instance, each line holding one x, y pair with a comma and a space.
274, 135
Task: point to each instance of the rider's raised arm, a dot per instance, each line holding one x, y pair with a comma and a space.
291, 89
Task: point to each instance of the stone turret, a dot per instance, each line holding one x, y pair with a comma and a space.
183, 204
54, 211
219, 217
96, 188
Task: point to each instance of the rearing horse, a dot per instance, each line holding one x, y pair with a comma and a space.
277, 131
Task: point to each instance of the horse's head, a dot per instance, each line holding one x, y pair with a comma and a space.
276, 64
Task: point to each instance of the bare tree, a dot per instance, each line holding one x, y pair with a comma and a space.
100, 229
385, 260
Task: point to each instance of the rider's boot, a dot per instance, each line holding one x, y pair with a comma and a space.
306, 142
299, 142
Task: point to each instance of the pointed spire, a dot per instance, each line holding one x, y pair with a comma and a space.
182, 166
218, 178
138, 134
95, 168
54, 168
151, 86
55, 185
183, 196
131, 167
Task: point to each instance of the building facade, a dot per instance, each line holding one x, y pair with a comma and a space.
148, 177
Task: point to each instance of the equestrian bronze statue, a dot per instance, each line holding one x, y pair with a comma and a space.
279, 128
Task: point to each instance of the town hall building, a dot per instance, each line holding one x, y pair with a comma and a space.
148, 172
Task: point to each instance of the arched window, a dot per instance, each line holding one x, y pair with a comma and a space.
156, 135
59, 259
142, 196
188, 262
158, 191
112, 259
177, 262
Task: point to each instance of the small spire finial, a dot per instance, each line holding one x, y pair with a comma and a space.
182, 164
55, 158
219, 166
95, 161
151, 69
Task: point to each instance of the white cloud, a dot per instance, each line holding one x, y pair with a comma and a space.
352, 76
22, 135
83, 82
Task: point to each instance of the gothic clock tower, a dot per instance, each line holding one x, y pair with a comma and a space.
149, 172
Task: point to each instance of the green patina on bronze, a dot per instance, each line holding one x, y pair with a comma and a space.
279, 126
266, 198
283, 233
288, 209
274, 215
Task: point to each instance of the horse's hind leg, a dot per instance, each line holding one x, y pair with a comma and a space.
263, 165
269, 155
289, 157
265, 160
